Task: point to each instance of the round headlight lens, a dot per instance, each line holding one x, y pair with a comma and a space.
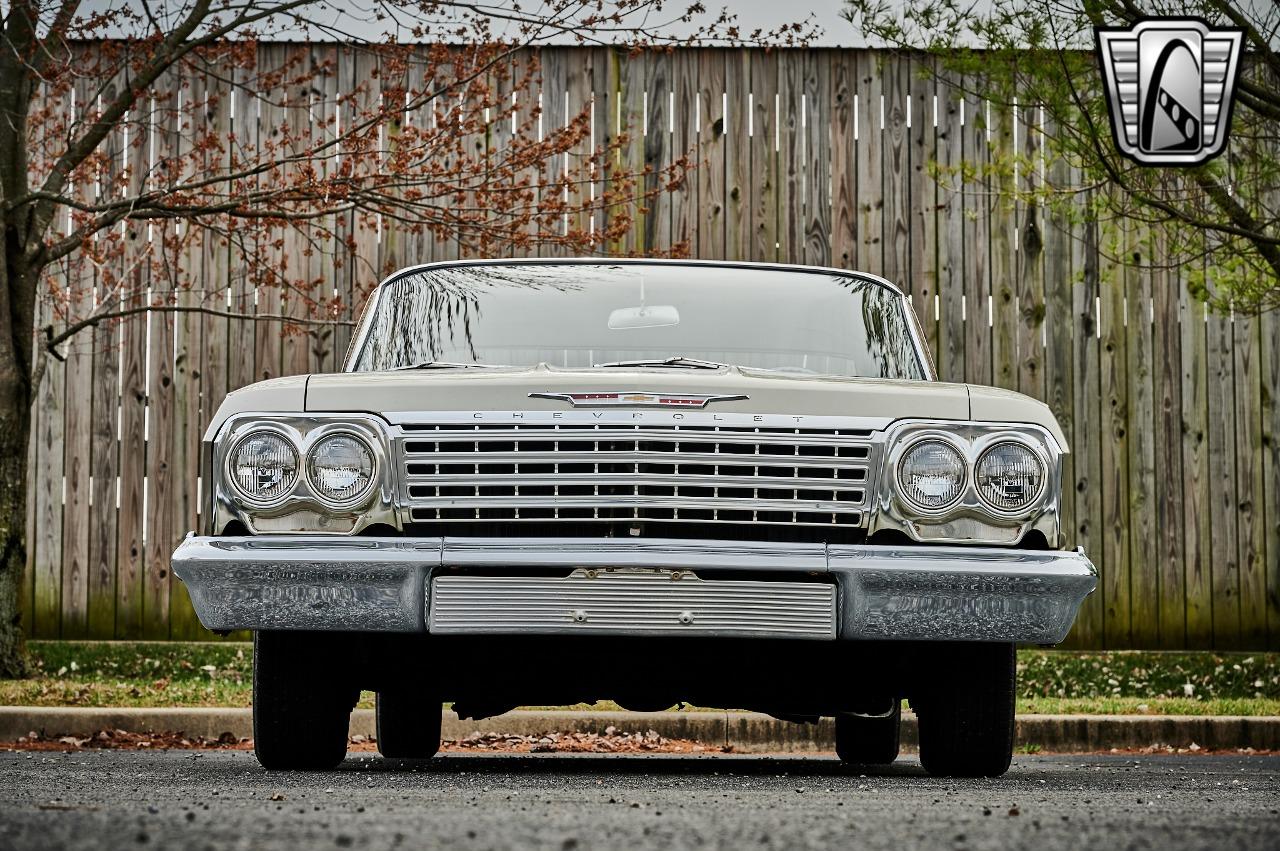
931, 474
264, 466
340, 467
1009, 476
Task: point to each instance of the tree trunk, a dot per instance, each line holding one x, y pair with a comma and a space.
17, 303
15, 430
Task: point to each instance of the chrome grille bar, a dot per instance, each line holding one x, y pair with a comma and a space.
609, 472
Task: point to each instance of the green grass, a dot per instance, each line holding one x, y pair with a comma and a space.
125, 673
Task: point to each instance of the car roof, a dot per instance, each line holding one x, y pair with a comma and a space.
640, 261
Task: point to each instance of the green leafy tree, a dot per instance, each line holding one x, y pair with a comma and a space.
1219, 222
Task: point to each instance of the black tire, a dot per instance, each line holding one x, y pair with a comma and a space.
408, 724
966, 715
301, 706
869, 741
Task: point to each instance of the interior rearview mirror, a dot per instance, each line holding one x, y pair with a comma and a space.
645, 316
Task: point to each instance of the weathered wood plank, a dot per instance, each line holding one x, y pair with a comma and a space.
191, 348
791, 163
1223, 490
1167, 397
1250, 489
923, 191
950, 353
1004, 259
142, 246
1271, 468
978, 206
844, 161
684, 143
1113, 439
868, 138
658, 129
815, 125
1089, 628
1195, 468
737, 152
897, 174
166, 412
1059, 360
1143, 553
1031, 338
47, 479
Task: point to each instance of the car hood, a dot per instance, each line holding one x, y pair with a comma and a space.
509, 389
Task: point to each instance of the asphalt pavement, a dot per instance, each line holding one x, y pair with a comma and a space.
223, 799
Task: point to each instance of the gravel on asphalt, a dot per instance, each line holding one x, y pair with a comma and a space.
223, 799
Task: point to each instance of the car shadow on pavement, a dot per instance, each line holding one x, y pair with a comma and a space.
637, 764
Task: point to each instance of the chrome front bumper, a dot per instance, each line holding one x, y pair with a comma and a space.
501, 585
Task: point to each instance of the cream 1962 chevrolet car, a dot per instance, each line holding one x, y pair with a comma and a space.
546, 482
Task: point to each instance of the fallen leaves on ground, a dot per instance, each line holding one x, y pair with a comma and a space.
124, 740
611, 740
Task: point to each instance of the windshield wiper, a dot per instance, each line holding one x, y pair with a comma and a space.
444, 364
678, 361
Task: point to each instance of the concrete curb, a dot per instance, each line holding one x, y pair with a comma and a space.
745, 732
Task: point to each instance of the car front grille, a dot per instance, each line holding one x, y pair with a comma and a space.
634, 476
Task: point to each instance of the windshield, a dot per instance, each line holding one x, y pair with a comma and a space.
596, 315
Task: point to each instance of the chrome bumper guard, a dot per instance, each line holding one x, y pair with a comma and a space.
634, 587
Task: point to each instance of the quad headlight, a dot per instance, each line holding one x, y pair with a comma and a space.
340, 468
1009, 476
263, 467
931, 474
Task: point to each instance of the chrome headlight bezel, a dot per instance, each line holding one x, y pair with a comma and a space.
304, 508
970, 519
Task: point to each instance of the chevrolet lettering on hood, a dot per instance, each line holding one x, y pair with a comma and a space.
728, 484
640, 399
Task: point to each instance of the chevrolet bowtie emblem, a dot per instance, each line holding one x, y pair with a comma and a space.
1169, 85
641, 399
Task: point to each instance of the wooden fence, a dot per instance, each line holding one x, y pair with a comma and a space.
808, 156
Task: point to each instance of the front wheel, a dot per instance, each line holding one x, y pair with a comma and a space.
869, 740
966, 712
301, 702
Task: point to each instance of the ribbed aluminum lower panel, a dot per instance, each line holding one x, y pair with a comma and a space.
639, 603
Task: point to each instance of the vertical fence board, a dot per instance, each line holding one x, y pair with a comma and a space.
737, 152
684, 143
897, 174
1224, 545
1113, 437
869, 141
1271, 468
764, 156
1167, 362
1031, 263
46, 612
1004, 245
816, 127
844, 161
1140, 429
1089, 628
1250, 497
977, 243
924, 149
1059, 360
791, 163
133, 337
